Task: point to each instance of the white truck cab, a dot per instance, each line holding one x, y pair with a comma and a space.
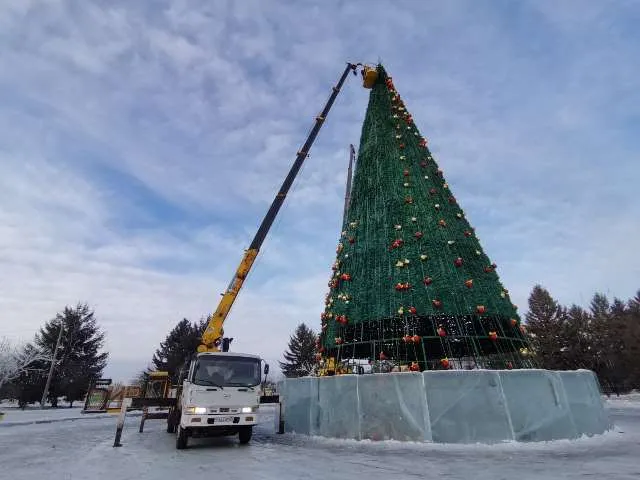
220, 396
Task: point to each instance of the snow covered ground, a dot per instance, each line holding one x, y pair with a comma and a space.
70, 447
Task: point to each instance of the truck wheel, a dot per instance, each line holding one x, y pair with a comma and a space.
171, 421
245, 434
182, 438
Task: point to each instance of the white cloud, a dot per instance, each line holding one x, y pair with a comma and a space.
140, 147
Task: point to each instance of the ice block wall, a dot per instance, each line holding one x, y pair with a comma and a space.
456, 406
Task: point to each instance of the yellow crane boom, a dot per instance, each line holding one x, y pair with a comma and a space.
213, 336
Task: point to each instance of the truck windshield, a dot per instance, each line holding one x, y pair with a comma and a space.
227, 371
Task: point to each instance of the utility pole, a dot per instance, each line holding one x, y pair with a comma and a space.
347, 195
53, 365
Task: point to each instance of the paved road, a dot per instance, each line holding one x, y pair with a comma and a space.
82, 450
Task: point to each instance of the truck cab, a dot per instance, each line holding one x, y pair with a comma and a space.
220, 395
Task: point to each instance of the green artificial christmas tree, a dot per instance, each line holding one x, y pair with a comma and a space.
411, 284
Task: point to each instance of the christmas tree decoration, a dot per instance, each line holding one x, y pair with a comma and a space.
453, 288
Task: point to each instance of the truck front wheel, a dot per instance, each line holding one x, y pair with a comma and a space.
245, 434
182, 438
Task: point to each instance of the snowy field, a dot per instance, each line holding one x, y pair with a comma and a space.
69, 445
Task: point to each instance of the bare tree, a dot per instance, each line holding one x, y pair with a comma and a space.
15, 360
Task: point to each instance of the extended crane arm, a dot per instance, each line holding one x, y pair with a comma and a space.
213, 334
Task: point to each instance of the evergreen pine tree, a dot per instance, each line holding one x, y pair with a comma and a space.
411, 281
545, 320
180, 344
299, 358
78, 360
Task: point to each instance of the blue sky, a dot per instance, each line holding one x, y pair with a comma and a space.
142, 142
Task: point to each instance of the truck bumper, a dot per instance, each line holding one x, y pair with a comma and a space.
232, 421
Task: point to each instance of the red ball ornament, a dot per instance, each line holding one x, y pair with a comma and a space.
318, 357
414, 367
436, 303
493, 336
488, 269
401, 146
423, 164
442, 223
408, 200
452, 199
342, 319
467, 233
423, 143
405, 173
345, 276
397, 243
458, 262
415, 339
407, 339
444, 362
418, 234
442, 332
433, 191
427, 280
382, 356
468, 283
509, 365
413, 310
338, 340
352, 240
514, 322
480, 309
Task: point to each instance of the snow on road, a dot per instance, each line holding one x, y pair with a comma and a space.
83, 450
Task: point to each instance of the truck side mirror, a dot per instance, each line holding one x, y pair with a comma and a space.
266, 368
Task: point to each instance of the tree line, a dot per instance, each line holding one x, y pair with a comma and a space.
604, 338
78, 361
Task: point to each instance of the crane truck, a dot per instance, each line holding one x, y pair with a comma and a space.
219, 391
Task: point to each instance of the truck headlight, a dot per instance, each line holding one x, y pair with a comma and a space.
248, 409
196, 410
